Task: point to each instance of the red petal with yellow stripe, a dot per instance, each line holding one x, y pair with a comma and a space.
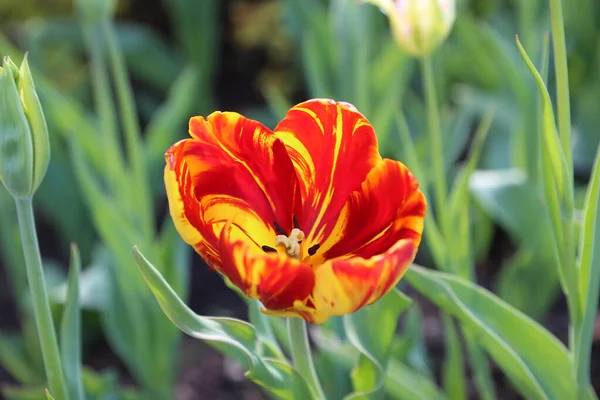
273, 278
333, 148
235, 185
231, 166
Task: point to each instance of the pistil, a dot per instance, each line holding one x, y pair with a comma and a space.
291, 243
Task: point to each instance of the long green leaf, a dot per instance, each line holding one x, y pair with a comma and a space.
589, 278
371, 330
14, 360
461, 258
132, 133
178, 107
453, 368
529, 280
70, 330
558, 188
237, 339
433, 234
404, 383
264, 331
480, 367
535, 361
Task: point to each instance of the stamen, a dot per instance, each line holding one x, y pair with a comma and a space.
313, 249
279, 229
268, 249
295, 221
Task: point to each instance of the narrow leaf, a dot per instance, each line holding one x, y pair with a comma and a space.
453, 368
535, 361
404, 383
70, 330
236, 339
558, 187
371, 330
589, 278
14, 360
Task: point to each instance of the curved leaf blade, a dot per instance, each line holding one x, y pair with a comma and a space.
70, 330
236, 339
371, 330
534, 360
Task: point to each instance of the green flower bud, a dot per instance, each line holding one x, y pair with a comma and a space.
24, 143
419, 26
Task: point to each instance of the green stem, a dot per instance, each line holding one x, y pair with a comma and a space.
302, 356
562, 81
435, 141
41, 306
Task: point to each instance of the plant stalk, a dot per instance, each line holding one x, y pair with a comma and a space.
41, 306
302, 356
562, 81
435, 141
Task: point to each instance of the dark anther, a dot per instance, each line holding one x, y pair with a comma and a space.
279, 229
296, 224
313, 249
268, 249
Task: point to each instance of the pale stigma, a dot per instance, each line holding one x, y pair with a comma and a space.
291, 243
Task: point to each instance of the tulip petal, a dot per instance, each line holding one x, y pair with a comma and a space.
275, 279
231, 166
342, 286
333, 148
387, 207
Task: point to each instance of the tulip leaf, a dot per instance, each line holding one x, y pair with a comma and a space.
453, 367
528, 280
264, 331
235, 338
410, 346
14, 360
558, 188
70, 330
49, 396
10, 392
535, 361
371, 330
405, 383
589, 274
480, 367
433, 234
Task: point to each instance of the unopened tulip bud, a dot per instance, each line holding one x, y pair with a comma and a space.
419, 26
24, 144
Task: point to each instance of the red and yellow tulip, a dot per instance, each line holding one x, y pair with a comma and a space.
308, 218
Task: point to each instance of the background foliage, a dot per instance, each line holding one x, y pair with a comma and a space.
180, 58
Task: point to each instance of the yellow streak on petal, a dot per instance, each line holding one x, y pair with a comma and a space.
314, 116
255, 137
339, 131
189, 234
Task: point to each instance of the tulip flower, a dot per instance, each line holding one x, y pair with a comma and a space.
308, 218
418, 26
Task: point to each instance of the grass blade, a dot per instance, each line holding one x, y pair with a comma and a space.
70, 330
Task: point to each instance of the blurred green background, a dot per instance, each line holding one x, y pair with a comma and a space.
191, 57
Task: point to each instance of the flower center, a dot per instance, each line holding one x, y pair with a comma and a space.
291, 243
